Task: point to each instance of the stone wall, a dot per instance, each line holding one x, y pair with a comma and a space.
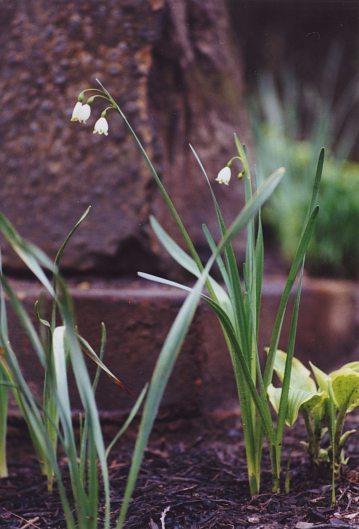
175, 71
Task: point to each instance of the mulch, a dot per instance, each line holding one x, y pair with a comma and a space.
195, 469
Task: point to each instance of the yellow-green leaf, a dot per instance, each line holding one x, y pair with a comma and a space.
296, 399
300, 377
353, 365
321, 378
345, 383
315, 406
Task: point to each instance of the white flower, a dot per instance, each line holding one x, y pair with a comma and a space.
224, 176
101, 126
81, 112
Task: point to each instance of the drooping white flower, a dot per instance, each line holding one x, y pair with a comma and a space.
76, 113
224, 176
81, 112
101, 126
85, 113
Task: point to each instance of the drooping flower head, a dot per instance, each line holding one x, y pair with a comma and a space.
82, 108
81, 112
224, 176
101, 126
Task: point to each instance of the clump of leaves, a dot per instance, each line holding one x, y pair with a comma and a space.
290, 124
324, 400
50, 423
237, 306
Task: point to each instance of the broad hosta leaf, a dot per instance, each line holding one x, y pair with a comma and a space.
296, 399
321, 378
345, 383
316, 405
353, 365
300, 376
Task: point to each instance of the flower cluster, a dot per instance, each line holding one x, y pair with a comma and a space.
82, 111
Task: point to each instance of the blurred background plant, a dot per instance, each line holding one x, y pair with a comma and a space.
290, 125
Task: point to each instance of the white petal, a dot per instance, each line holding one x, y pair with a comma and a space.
76, 113
85, 113
224, 175
101, 126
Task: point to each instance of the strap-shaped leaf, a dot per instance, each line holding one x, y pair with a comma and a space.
24, 319
162, 281
173, 343
184, 260
296, 265
30, 254
89, 351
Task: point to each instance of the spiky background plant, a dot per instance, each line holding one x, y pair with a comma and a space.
237, 306
290, 123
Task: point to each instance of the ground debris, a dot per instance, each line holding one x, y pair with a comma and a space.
192, 481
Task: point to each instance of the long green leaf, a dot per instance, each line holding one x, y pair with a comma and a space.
58, 257
24, 319
30, 254
183, 259
173, 343
84, 386
128, 421
297, 262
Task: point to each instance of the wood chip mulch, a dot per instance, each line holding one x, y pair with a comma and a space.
194, 470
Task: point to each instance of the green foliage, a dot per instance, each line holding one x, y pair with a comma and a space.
278, 122
59, 351
237, 308
324, 401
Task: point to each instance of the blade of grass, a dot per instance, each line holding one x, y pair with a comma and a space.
85, 389
24, 319
235, 287
221, 266
183, 259
89, 351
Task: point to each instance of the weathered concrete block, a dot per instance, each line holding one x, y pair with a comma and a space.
138, 318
